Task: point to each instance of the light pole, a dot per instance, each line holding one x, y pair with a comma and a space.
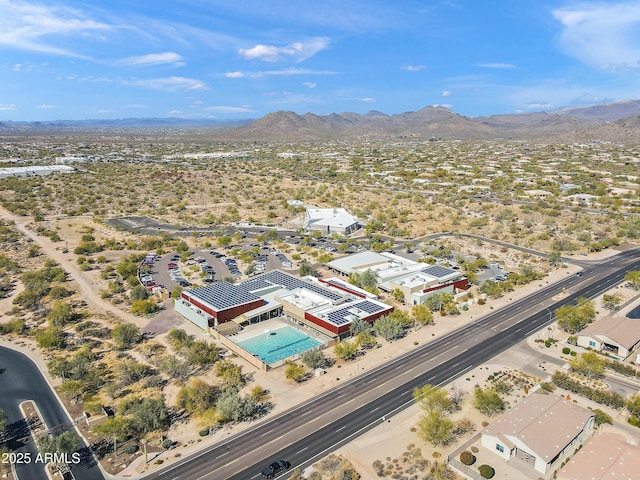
143, 441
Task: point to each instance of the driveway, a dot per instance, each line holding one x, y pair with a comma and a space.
21, 380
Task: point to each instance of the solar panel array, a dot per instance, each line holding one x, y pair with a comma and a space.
438, 271
344, 315
223, 295
289, 282
370, 307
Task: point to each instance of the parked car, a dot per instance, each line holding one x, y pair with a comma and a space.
275, 468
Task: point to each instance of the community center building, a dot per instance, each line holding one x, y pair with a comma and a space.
323, 307
417, 281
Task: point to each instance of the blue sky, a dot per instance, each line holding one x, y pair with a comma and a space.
246, 58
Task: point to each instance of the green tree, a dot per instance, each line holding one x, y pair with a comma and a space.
573, 318
422, 314
3, 421
314, 358
139, 292
202, 353
602, 417
612, 302
633, 277
346, 350
116, 428
231, 373
402, 318
295, 372
176, 292
436, 428
142, 308
179, 339
492, 288
196, 396
366, 340
61, 314
388, 328
554, 258
233, 407
307, 269
358, 325
224, 241
633, 405
125, 335
487, 401
149, 415
398, 295
51, 337
432, 399
589, 364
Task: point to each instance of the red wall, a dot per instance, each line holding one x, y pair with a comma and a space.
461, 284
344, 289
343, 328
224, 315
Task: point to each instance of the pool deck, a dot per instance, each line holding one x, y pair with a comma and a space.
273, 324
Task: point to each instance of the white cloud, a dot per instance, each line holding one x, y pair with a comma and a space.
31, 26
367, 100
447, 93
45, 106
414, 68
504, 66
286, 72
229, 109
7, 108
602, 35
153, 59
539, 106
171, 84
297, 51
309, 84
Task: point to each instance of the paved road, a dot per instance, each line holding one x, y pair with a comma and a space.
310, 431
21, 380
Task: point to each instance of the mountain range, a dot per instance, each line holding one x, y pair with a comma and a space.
617, 122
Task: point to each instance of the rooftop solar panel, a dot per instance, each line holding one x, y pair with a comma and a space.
438, 271
370, 307
223, 295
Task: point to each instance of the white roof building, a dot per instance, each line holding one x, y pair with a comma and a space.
331, 220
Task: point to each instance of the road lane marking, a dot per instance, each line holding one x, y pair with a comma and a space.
341, 428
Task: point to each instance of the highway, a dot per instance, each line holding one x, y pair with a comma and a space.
309, 431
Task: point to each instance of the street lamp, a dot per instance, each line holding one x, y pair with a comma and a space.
143, 441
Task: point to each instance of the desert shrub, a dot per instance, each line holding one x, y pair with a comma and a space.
167, 443
486, 471
566, 350
204, 432
467, 458
635, 421
130, 449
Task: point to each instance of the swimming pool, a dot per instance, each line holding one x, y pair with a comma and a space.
635, 313
278, 344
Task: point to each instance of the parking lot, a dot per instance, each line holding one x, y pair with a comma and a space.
205, 266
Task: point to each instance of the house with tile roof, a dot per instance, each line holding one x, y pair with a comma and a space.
615, 336
540, 432
606, 456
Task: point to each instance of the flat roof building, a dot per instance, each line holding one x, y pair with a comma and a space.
35, 170
417, 281
274, 293
331, 220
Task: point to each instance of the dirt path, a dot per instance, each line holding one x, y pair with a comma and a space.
88, 289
